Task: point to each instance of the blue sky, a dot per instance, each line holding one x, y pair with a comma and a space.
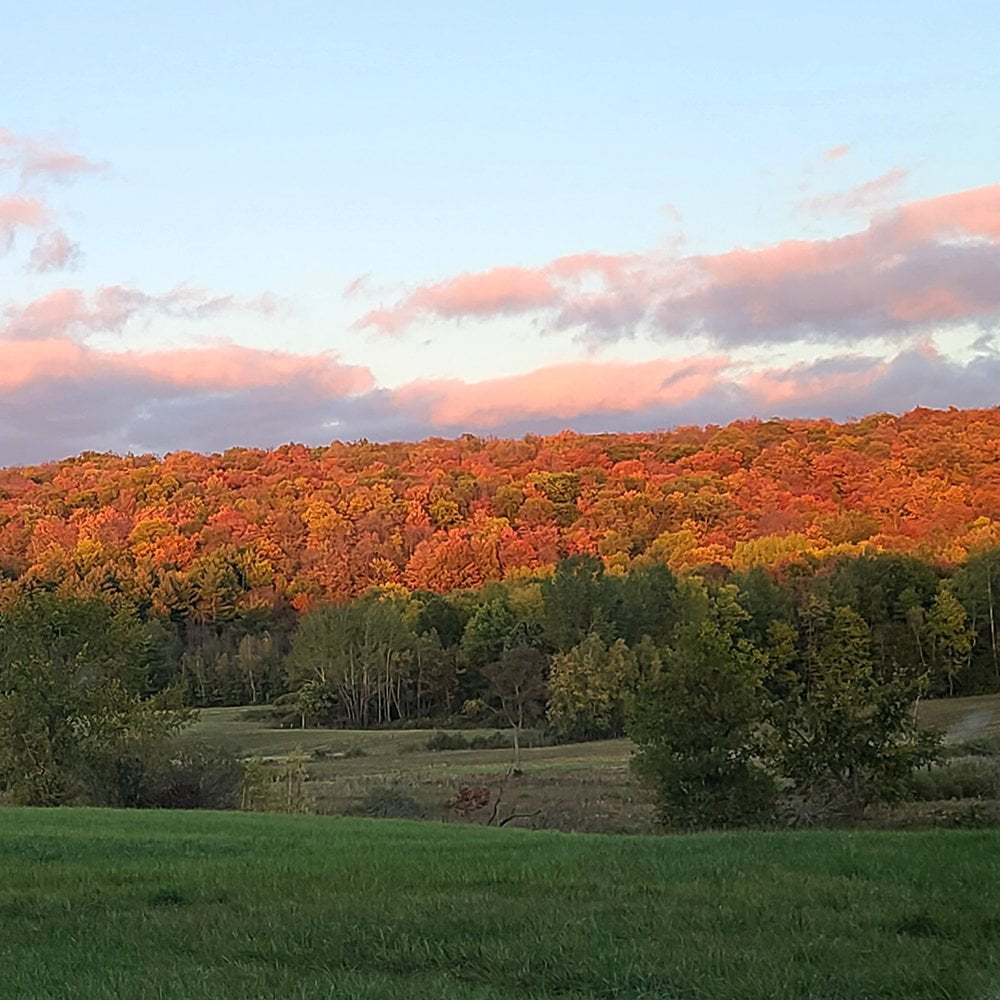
292, 149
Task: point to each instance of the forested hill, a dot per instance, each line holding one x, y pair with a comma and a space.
300, 524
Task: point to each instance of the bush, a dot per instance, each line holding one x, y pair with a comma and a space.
189, 777
448, 741
495, 741
387, 802
960, 778
196, 777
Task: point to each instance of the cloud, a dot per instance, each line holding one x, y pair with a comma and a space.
562, 392
501, 291
43, 158
42, 161
922, 263
609, 396
59, 396
72, 313
863, 199
355, 286
54, 251
837, 152
17, 212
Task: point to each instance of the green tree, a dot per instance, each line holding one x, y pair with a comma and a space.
846, 735
949, 637
75, 724
650, 605
492, 629
361, 651
588, 688
891, 593
437, 614
579, 599
977, 586
697, 726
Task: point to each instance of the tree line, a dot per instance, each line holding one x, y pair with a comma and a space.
395, 655
739, 689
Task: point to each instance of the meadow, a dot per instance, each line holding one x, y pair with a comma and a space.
211, 906
578, 787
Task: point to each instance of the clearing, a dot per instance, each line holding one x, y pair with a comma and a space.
577, 786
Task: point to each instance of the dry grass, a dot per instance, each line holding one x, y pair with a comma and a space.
579, 787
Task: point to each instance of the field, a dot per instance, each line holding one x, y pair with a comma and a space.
211, 906
579, 787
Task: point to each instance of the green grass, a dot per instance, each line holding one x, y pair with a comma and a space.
101, 904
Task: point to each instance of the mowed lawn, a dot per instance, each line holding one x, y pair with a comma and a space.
210, 906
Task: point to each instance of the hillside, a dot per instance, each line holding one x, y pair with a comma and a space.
298, 524
107, 904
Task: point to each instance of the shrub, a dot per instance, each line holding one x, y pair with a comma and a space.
195, 777
960, 778
448, 741
697, 726
387, 802
495, 741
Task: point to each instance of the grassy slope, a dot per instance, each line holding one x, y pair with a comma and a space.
99, 905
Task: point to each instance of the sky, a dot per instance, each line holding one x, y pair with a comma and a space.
243, 224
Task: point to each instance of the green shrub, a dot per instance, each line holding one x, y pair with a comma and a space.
387, 802
195, 777
448, 741
959, 778
495, 741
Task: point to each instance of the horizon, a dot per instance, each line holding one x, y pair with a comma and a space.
490, 437
394, 224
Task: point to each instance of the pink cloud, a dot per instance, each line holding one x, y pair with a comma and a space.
900, 273
501, 291
43, 158
17, 212
562, 391
837, 152
69, 312
54, 251
863, 199
58, 396
232, 367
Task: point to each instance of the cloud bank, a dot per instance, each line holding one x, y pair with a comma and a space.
923, 264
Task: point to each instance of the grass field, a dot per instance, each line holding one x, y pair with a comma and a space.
582, 786
107, 905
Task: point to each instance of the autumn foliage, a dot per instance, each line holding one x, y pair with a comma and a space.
206, 536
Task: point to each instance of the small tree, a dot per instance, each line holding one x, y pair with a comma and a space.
950, 639
315, 703
74, 723
518, 680
846, 735
588, 687
697, 726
